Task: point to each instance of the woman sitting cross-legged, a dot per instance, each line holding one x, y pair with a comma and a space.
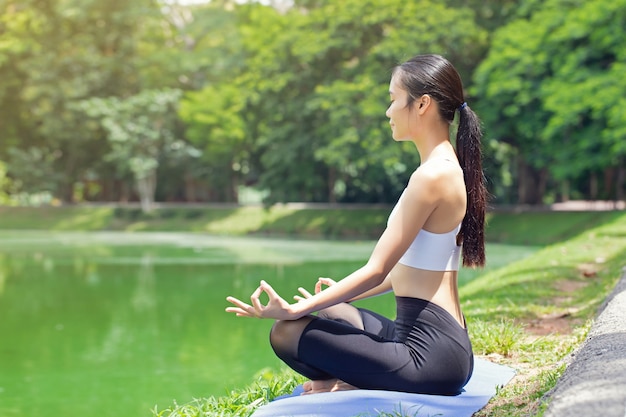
438, 219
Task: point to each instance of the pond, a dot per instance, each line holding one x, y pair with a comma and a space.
114, 324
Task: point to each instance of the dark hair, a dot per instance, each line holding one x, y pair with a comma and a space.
435, 76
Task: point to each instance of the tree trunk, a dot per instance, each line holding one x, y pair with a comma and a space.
609, 182
124, 192
621, 179
233, 192
531, 184
540, 191
593, 186
67, 192
190, 189
332, 179
146, 187
565, 190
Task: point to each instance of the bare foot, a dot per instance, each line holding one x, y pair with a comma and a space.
326, 385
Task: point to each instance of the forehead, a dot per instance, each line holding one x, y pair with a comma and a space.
395, 87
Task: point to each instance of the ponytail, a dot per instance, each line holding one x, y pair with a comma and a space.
435, 75
468, 148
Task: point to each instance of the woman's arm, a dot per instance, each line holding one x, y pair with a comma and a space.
383, 288
420, 200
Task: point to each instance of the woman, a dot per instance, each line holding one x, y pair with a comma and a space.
440, 213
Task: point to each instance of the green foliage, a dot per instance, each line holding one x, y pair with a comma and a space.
552, 87
312, 92
53, 54
215, 123
290, 97
5, 185
589, 81
140, 129
239, 403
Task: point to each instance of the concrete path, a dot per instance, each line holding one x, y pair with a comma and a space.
594, 383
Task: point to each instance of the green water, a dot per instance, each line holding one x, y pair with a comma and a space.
114, 324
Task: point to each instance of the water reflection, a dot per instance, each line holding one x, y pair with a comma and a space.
112, 324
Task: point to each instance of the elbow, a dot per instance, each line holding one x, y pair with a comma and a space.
377, 272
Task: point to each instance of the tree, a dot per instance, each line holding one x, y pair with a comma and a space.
215, 123
312, 91
140, 130
588, 135
55, 53
550, 87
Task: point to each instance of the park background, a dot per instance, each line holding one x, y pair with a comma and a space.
139, 138
224, 101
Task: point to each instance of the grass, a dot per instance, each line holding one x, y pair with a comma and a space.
541, 227
267, 386
529, 314
529, 228
279, 220
543, 306
499, 337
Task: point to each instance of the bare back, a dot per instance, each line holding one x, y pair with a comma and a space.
439, 287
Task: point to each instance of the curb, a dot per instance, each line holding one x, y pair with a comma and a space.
594, 383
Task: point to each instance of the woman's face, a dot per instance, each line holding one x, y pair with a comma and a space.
402, 118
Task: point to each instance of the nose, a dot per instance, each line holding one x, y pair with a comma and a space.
387, 112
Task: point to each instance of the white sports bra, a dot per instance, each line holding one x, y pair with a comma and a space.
432, 251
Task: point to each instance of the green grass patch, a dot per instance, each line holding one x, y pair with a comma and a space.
542, 227
501, 337
523, 228
55, 218
550, 299
238, 403
279, 220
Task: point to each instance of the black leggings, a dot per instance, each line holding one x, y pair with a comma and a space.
423, 351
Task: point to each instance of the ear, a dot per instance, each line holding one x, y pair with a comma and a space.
423, 104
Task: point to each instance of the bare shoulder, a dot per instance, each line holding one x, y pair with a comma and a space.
435, 174
439, 187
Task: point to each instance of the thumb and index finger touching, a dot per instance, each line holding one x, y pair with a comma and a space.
256, 308
318, 288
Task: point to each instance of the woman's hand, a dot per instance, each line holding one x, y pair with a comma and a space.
276, 308
318, 288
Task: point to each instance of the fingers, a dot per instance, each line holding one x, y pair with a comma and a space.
276, 307
256, 302
257, 308
323, 281
304, 292
238, 312
240, 304
318, 288
242, 309
327, 281
269, 290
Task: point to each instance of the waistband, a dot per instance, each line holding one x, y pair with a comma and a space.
410, 308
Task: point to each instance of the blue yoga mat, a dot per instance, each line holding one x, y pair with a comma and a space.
482, 386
